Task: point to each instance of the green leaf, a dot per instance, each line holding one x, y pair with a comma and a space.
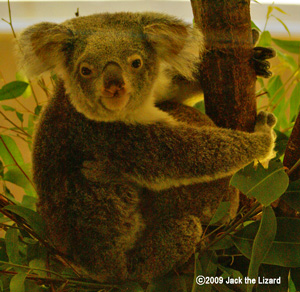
290, 46
231, 273
287, 60
285, 250
40, 264
34, 220
197, 272
20, 117
29, 202
12, 245
295, 102
253, 25
17, 282
221, 212
295, 275
284, 25
280, 143
37, 110
12, 90
8, 108
164, 284
275, 86
265, 39
16, 176
209, 266
266, 185
292, 195
262, 242
280, 10
14, 150
200, 106
270, 9
224, 243
292, 286
21, 77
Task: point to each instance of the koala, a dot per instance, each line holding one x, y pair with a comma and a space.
124, 183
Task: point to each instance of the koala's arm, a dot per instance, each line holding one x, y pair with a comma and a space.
159, 157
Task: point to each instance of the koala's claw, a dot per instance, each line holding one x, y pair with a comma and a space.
262, 53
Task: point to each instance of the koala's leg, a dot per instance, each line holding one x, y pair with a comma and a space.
106, 224
163, 247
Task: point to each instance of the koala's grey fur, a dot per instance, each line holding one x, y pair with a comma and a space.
124, 184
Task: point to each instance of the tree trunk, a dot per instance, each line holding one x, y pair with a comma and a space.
292, 153
227, 76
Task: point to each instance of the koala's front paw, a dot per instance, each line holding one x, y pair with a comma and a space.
265, 123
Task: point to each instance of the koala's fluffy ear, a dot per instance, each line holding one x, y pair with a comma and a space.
177, 44
41, 47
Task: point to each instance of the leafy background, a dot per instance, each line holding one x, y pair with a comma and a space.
255, 243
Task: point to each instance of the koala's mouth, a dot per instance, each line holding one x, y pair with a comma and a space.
114, 102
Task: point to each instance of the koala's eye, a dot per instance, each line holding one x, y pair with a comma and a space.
135, 62
86, 70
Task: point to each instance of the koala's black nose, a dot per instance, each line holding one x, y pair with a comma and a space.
112, 77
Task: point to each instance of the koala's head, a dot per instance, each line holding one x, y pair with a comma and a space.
111, 63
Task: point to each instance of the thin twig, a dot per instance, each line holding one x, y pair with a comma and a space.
71, 282
10, 121
234, 226
10, 20
295, 166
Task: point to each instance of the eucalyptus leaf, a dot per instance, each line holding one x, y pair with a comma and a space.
221, 212
12, 245
280, 143
284, 25
34, 220
275, 88
16, 176
8, 108
253, 25
295, 102
39, 264
13, 90
13, 149
285, 250
224, 243
209, 266
20, 117
295, 275
292, 195
29, 202
228, 272
167, 283
290, 46
287, 60
266, 185
200, 106
197, 272
265, 39
21, 77
262, 242
17, 282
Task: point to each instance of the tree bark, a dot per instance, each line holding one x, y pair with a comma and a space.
227, 75
292, 152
